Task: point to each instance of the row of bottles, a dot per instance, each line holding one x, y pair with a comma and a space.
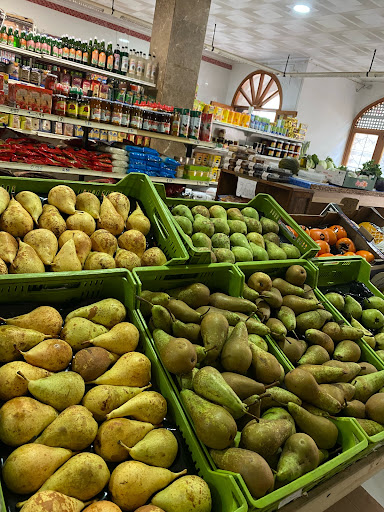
94, 53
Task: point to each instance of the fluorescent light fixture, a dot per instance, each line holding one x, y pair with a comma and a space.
302, 9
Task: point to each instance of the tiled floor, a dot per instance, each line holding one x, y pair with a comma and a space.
375, 487
360, 500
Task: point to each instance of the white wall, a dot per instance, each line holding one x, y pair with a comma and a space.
213, 82
367, 95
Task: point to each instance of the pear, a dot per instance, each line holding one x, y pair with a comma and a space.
145, 481
13, 339
351, 370
88, 202
266, 367
255, 471
81, 221
78, 330
103, 241
336, 300
82, 477
374, 408
27, 261
223, 301
158, 448
52, 355
214, 426
179, 309
44, 243
22, 475
322, 430
137, 220
148, 406
3, 267
236, 354
328, 373
178, 355
120, 203
74, 429
354, 409
103, 506
82, 241
31, 202
4, 199
92, 362
127, 259
352, 308
114, 436
47, 501
347, 351
16, 220
44, 319
370, 427
244, 387
109, 218
266, 436
11, 385
63, 198
133, 241
300, 455
194, 295
107, 312
52, 220
59, 390
278, 396
132, 369
122, 338
8, 246
66, 260
315, 354
187, 494
102, 399
368, 385
153, 257
99, 261
22, 418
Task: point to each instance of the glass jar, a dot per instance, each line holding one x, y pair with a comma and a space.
147, 121
175, 122
50, 81
73, 105
126, 116
117, 113
136, 120
273, 143
95, 108
278, 153
59, 105
279, 145
167, 123
106, 111
84, 108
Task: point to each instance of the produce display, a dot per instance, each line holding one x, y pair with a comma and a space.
233, 235
68, 232
268, 426
70, 442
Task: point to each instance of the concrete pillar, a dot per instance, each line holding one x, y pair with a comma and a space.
177, 40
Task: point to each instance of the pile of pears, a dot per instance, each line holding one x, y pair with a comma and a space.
79, 416
233, 235
366, 314
269, 427
67, 232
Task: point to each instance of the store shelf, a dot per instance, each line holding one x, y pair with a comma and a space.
255, 132
180, 181
48, 135
73, 65
102, 126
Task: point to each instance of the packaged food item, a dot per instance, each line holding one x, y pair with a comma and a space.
231, 114
14, 121
59, 105
34, 96
45, 125
184, 123
35, 123
206, 127
112, 136
73, 106
68, 129
57, 127
25, 123
126, 115
106, 111
78, 131
194, 125
103, 135
95, 106
84, 108
45, 101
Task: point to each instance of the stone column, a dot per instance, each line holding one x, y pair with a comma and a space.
177, 40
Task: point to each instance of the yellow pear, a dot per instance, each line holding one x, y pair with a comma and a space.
88, 202
158, 448
3, 267
31, 202
45, 319
44, 242
8, 247
52, 355
134, 241
122, 338
102, 506
99, 261
13, 339
63, 198
147, 406
22, 475
4, 199
153, 257
27, 261
104, 241
66, 260
52, 501
137, 220
108, 312
15, 220
81, 221
132, 369
12, 386
127, 259
109, 218
82, 241
52, 220
78, 330
120, 203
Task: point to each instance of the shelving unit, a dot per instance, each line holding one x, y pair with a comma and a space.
251, 131
73, 65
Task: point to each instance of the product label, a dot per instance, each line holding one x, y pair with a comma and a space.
153, 73
10, 40
31, 45
139, 68
23, 44
44, 48
73, 109
84, 112
38, 47
72, 54
116, 65
60, 108
135, 121
79, 55
95, 57
85, 58
4, 38
102, 57
117, 118
60, 52
125, 120
55, 50
146, 124
148, 71
124, 64
132, 66
110, 63
65, 52
105, 116
96, 114
184, 126
167, 127
155, 126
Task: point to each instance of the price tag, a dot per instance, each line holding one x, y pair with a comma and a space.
66, 169
246, 188
36, 167
290, 498
61, 119
131, 130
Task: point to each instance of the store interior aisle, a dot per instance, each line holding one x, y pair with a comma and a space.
366, 498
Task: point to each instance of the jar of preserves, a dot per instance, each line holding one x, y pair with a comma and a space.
147, 121
175, 122
126, 116
279, 144
117, 113
59, 105
136, 120
50, 81
286, 146
84, 108
273, 143
95, 108
278, 153
73, 105
106, 111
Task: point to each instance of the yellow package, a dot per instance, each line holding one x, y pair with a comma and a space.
237, 118
4, 119
231, 114
375, 231
14, 121
225, 115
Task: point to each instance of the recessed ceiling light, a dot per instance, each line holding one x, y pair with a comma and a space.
302, 9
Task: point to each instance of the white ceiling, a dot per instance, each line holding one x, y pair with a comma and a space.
338, 34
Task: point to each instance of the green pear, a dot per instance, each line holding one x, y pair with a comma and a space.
374, 303
201, 240
187, 494
237, 226
274, 251
300, 455
368, 385
131, 369
235, 214
236, 355
265, 437
336, 300
203, 225
272, 237
269, 225
371, 428
253, 225
258, 253
181, 311
158, 448
185, 224
314, 355
239, 240
221, 226
372, 319
248, 211
321, 430
292, 252
182, 210
202, 210
218, 212
214, 332
256, 238
347, 351
221, 241
352, 308
242, 254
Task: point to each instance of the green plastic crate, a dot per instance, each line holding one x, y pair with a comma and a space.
67, 291
135, 185
263, 203
229, 279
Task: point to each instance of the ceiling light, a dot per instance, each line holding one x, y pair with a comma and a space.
302, 9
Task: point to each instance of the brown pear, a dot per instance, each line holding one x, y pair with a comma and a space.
31, 202
88, 202
44, 242
127, 259
4, 199
63, 198
8, 246
103, 241
83, 243
92, 362
52, 355
3, 267
45, 501
66, 260
236, 355
16, 220
99, 261
109, 218
11, 385
106, 506
52, 220
44, 319
27, 261
133, 241
120, 203
81, 221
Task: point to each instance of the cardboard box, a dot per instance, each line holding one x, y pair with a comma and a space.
342, 179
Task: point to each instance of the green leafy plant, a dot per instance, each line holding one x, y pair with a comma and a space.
370, 168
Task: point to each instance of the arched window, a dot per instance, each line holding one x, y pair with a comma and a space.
366, 138
260, 90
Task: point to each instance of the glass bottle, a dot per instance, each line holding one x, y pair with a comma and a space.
49, 45
55, 48
95, 53
59, 48
37, 43
10, 36
124, 60
30, 42
89, 50
16, 39
139, 66
132, 63
72, 50
148, 68
85, 53
154, 69
23, 40
109, 57
102, 55
3, 35
43, 42
79, 51
65, 47
116, 61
